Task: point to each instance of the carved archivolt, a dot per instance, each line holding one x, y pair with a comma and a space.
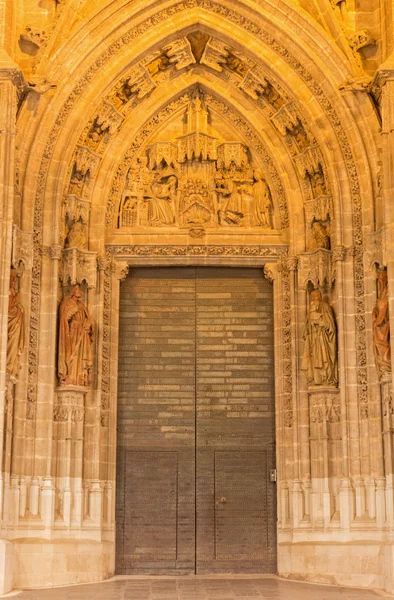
285, 54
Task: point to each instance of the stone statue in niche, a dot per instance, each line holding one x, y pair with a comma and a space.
320, 362
262, 202
318, 183
320, 237
16, 328
75, 340
161, 197
76, 236
381, 327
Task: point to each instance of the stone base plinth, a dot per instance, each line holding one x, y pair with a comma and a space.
359, 564
6, 562
40, 563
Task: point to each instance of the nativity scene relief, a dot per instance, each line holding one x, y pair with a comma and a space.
196, 181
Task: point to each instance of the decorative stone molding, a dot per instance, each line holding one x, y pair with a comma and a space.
79, 266
22, 248
196, 250
316, 268
284, 269
86, 160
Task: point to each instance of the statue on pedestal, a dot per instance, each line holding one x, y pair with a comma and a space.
381, 327
320, 351
16, 329
75, 341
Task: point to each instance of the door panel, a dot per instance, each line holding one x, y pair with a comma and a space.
235, 422
156, 423
195, 422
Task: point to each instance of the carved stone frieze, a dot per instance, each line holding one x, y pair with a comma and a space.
196, 250
22, 248
79, 266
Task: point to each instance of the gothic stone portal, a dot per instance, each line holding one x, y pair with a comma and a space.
196, 422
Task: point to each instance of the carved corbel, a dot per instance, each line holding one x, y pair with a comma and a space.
375, 254
316, 269
34, 36
69, 404
121, 269
76, 209
79, 266
22, 248
271, 271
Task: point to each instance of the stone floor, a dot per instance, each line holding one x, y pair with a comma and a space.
199, 588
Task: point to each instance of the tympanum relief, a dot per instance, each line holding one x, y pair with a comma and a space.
196, 182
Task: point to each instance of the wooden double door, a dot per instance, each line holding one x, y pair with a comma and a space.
196, 430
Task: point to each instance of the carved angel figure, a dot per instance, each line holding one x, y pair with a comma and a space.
320, 351
16, 329
381, 327
75, 340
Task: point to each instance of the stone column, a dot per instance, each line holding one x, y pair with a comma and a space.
383, 88
10, 77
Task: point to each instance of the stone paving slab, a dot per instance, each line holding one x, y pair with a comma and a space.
200, 588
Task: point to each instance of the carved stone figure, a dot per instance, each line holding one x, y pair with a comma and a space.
161, 198
320, 351
262, 203
319, 236
16, 329
75, 340
76, 237
381, 327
